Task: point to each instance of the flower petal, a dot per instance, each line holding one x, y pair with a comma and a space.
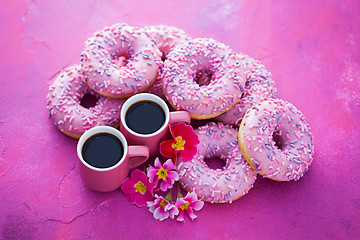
180, 202
151, 173
197, 205
173, 211
165, 185
173, 130
166, 149
192, 141
172, 176
169, 165
157, 163
181, 129
128, 186
160, 214
188, 153
130, 197
181, 216
152, 205
190, 197
191, 213
138, 175
142, 199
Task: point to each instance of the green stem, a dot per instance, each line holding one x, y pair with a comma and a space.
169, 196
179, 195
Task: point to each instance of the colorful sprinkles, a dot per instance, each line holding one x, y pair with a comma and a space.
166, 39
259, 87
221, 83
204, 77
119, 61
63, 103
276, 140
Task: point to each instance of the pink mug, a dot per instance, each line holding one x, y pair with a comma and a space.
152, 140
108, 178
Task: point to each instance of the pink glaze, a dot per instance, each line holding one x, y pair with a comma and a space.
203, 77
63, 102
259, 87
217, 185
276, 140
103, 51
166, 39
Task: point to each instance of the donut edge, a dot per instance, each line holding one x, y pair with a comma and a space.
198, 116
246, 154
78, 135
228, 201
123, 96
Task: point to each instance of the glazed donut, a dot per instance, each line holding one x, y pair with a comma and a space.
217, 185
259, 87
166, 39
276, 141
203, 77
109, 50
63, 102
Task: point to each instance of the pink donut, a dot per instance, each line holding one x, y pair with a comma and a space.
259, 87
63, 102
276, 141
217, 185
203, 77
109, 50
166, 39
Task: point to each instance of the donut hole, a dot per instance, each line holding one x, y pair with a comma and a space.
203, 77
88, 100
215, 163
164, 52
120, 59
278, 140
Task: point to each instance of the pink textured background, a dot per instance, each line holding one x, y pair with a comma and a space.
311, 48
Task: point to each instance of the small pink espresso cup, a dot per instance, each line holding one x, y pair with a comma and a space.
153, 139
109, 178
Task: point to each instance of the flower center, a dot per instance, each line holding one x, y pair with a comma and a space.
178, 144
140, 187
184, 206
162, 173
163, 204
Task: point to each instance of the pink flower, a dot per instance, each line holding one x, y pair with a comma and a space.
137, 189
187, 204
184, 143
162, 209
165, 172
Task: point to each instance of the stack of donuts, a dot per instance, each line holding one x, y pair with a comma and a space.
245, 124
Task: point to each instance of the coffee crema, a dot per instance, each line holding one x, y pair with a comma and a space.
145, 117
102, 150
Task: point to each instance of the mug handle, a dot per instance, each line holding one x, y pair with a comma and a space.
138, 155
180, 116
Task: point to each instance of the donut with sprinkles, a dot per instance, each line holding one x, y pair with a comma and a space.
204, 77
119, 61
64, 104
276, 140
231, 182
259, 87
166, 39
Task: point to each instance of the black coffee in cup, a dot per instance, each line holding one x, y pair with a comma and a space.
145, 117
102, 150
